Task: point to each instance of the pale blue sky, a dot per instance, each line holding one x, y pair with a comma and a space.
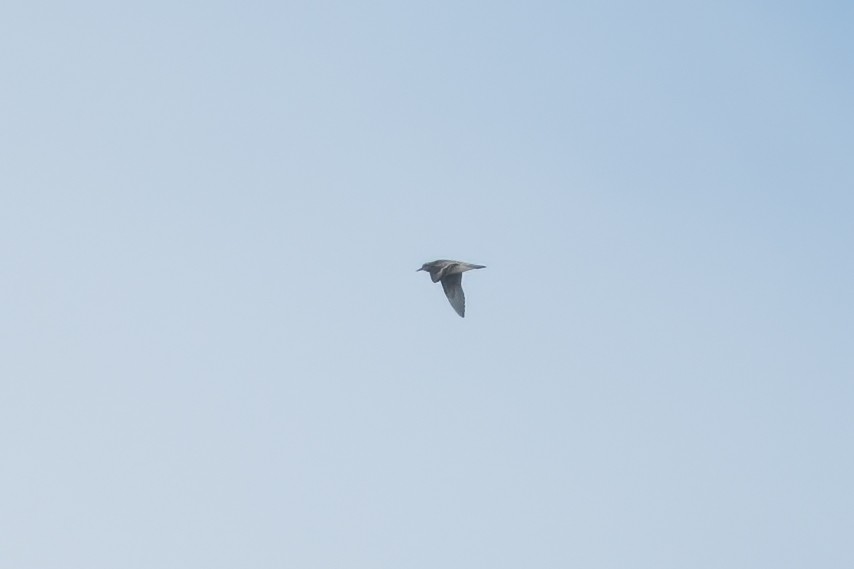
215, 350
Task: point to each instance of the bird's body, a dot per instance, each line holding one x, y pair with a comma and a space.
451, 275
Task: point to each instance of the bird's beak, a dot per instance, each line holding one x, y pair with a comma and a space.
421, 269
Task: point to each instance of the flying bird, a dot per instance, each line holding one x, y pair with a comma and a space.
451, 275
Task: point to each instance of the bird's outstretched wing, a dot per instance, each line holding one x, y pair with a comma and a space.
453, 285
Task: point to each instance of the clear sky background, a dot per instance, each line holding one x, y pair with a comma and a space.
215, 351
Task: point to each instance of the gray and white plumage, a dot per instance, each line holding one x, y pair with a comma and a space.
451, 275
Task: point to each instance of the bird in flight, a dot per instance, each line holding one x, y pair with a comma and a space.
451, 275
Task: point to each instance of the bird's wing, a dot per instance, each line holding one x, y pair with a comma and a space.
439, 271
453, 285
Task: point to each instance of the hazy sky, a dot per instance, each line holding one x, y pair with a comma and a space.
215, 351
